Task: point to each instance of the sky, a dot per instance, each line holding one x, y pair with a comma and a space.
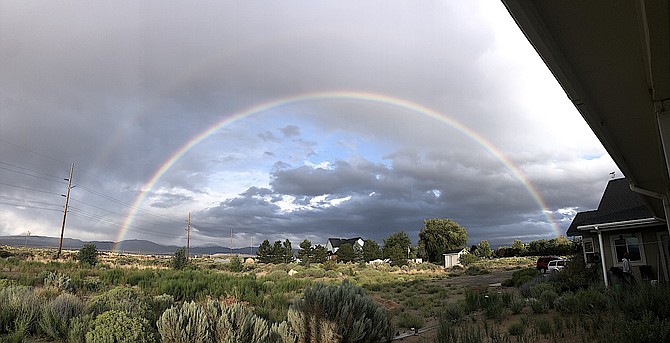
285, 120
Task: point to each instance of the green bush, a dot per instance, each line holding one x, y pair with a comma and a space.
78, 328
88, 254
453, 312
123, 299
468, 259
19, 310
236, 264
57, 314
119, 327
188, 323
342, 311
58, 281
408, 320
516, 329
179, 260
521, 276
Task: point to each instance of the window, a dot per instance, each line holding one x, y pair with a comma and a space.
590, 255
629, 242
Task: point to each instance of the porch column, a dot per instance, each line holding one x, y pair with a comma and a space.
602, 256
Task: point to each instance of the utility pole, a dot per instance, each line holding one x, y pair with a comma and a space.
188, 239
67, 199
231, 242
251, 246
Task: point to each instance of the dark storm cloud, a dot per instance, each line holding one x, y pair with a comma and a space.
119, 88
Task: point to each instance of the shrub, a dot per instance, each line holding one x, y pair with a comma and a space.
236, 265
538, 306
179, 260
19, 310
468, 259
58, 281
408, 320
453, 312
188, 323
516, 305
516, 329
159, 304
79, 326
521, 276
342, 311
548, 297
118, 327
88, 254
237, 323
57, 314
535, 291
120, 299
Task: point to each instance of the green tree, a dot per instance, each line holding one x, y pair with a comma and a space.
306, 252
518, 247
287, 252
264, 252
346, 253
439, 236
371, 250
396, 248
88, 254
277, 255
320, 254
484, 249
179, 260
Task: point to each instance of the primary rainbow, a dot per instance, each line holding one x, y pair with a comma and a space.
334, 95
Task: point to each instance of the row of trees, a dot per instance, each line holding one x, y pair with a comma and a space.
438, 237
277, 253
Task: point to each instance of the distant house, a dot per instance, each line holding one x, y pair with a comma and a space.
623, 223
453, 257
334, 244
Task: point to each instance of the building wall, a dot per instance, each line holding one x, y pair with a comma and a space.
648, 239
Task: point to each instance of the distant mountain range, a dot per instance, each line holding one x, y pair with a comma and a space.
135, 246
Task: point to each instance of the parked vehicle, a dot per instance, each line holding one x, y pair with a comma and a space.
543, 262
555, 266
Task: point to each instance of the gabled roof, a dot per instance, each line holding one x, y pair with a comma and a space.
337, 242
619, 203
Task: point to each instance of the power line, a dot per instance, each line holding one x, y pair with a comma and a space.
32, 151
30, 206
51, 177
27, 201
87, 215
117, 201
28, 188
27, 174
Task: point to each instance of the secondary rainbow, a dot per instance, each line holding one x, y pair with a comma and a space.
334, 95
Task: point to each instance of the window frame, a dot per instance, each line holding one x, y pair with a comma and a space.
640, 245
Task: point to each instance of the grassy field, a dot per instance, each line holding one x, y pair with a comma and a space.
456, 305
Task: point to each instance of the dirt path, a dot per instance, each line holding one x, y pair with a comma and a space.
477, 280
428, 333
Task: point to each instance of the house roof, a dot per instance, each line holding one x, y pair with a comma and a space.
611, 58
337, 242
619, 203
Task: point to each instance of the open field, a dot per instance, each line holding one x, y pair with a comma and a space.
458, 305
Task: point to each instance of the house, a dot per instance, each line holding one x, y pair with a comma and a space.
453, 257
623, 223
614, 69
334, 244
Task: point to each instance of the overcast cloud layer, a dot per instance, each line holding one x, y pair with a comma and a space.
118, 87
